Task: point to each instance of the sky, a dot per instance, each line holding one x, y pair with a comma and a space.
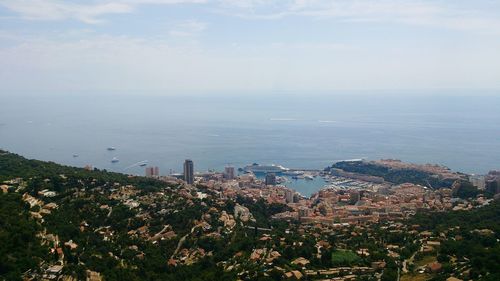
253, 46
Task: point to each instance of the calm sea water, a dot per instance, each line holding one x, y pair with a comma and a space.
304, 131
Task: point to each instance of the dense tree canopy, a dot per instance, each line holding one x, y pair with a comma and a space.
20, 249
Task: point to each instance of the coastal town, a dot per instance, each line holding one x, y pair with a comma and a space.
347, 197
249, 140
253, 228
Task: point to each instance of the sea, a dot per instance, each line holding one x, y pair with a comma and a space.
297, 130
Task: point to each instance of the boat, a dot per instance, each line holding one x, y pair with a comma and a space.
309, 177
281, 180
75, 155
115, 160
293, 173
111, 148
256, 168
143, 164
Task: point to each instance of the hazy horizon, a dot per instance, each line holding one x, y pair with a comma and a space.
300, 131
417, 80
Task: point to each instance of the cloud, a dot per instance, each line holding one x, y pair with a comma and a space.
441, 14
120, 63
188, 28
412, 12
165, 1
91, 12
65, 58
57, 10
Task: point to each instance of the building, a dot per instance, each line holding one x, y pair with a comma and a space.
354, 196
492, 183
493, 186
229, 172
304, 212
188, 171
152, 172
478, 181
270, 179
289, 196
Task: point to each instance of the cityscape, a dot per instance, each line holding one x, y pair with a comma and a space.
249, 140
360, 226
347, 197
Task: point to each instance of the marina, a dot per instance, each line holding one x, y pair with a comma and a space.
309, 181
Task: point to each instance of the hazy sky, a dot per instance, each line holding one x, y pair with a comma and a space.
173, 46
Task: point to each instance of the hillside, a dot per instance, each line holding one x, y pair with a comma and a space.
398, 172
65, 223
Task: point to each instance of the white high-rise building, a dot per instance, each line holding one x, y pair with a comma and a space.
478, 181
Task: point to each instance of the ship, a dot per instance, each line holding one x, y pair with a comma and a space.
256, 168
115, 160
111, 148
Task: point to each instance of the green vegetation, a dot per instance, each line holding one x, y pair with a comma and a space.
424, 260
112, 219
344, 258
15, 166
471, 238
20, 249
483, 218
416, 277
396, 176
262, 211
80, 197
465, 189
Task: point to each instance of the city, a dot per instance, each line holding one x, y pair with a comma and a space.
352, 230
347, 197
249, 140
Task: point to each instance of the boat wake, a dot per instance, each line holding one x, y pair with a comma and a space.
140, 163
283, 119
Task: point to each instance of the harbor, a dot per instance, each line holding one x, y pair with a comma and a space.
306, 182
